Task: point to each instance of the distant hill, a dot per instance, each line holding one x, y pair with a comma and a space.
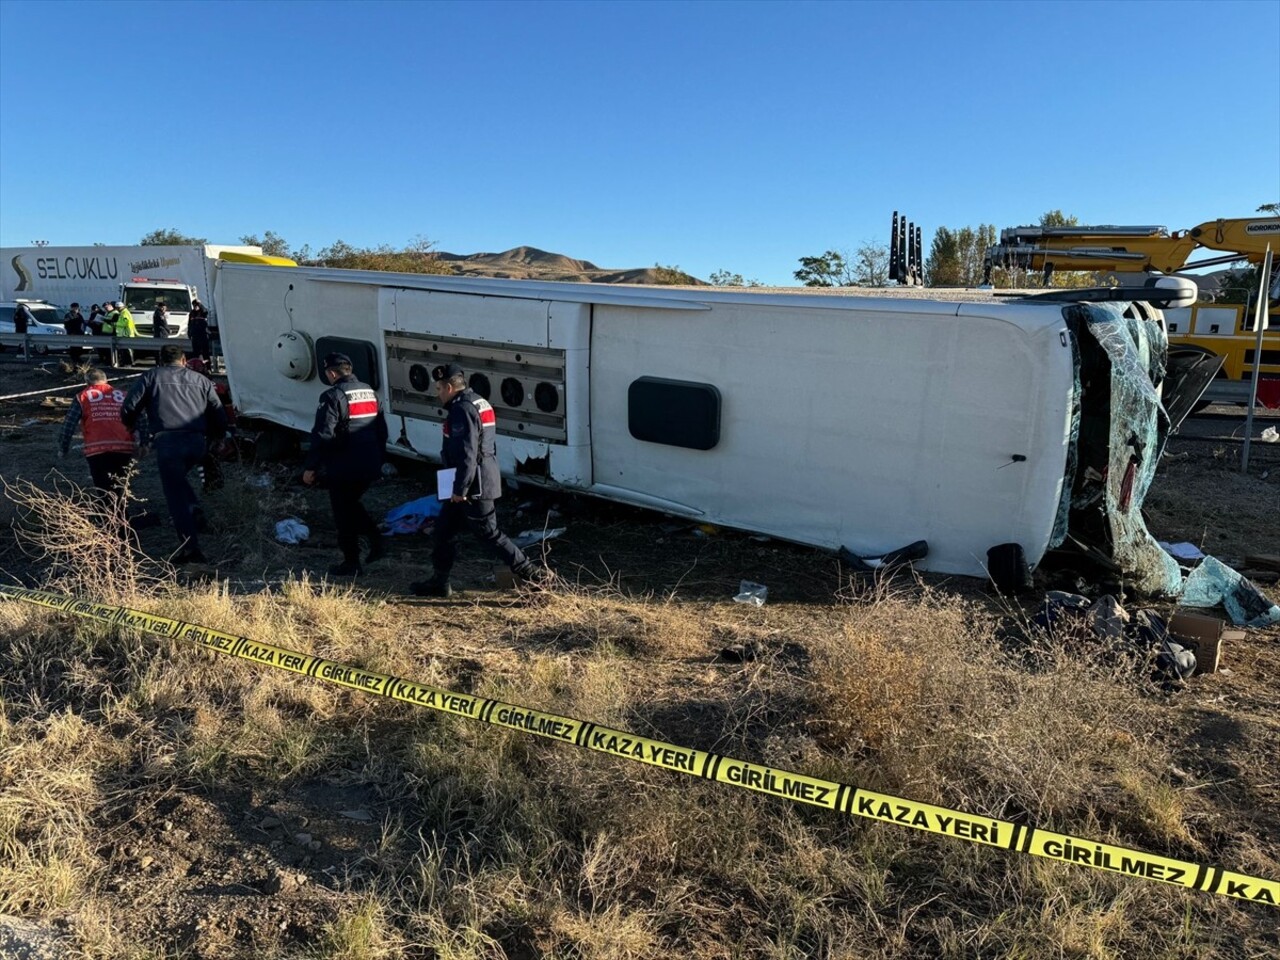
530, 263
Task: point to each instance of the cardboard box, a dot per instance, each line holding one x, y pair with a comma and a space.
1205, 635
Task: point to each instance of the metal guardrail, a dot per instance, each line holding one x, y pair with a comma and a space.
31, 344
1229, 391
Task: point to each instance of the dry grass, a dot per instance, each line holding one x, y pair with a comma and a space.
488, 843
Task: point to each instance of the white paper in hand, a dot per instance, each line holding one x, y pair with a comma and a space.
444, 483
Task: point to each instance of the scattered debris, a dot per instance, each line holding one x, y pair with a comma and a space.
389, 470
1205, 635
1061, 607
412, 517
753, 593
528, 538
364, 816
1106, 618
1270, 435
260, 481
1212, 582
1070, 615
1182, 551
292, 530
887, 561
1175, 660
740, 652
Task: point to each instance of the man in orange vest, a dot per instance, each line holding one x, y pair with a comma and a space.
109, 445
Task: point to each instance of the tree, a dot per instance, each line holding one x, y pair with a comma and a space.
170, 237
272, 244
1022, 278
723, 278
869, 267
1056, 218
418, 256
956, 257
671, 276
872, 266
829, 270
1239, 284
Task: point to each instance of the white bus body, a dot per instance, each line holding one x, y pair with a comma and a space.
864, 423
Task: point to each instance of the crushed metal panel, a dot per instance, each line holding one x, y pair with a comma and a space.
1138, 429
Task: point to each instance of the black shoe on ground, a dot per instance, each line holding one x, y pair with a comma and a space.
347, 568
189, 555
535, 575
377, 550
431, 588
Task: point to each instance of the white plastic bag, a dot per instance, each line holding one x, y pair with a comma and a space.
753, 593
292, 530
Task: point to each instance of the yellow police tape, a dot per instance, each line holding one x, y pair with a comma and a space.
698, 763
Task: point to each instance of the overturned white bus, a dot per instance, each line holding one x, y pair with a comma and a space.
854, 422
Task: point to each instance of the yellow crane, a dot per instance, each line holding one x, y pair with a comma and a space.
1147, 249
1222, 329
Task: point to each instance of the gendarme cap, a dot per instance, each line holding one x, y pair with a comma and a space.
334, 359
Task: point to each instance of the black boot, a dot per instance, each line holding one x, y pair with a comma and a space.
435, 587
534, 576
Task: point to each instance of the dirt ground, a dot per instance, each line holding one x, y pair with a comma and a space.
213, 868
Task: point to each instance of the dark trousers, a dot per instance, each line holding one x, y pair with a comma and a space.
200, 347
482, 517
350, 516
176, 453
108, 470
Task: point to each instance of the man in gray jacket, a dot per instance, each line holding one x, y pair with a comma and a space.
181, 407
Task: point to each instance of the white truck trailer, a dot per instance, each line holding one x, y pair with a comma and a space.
88, 275
864, 423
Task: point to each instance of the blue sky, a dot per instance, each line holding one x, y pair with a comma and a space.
736, 136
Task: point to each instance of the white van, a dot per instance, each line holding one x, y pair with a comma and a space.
47, 323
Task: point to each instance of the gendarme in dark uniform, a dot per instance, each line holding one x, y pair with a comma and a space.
470, 447
349, 440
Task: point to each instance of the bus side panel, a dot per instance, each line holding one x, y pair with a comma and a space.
852, 429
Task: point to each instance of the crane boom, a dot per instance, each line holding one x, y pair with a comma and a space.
1131, 249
